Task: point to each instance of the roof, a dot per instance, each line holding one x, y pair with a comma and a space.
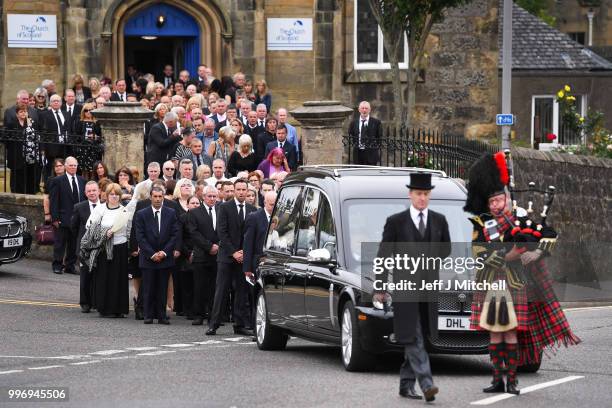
538, 46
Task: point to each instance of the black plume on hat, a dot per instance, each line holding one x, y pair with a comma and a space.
484, 181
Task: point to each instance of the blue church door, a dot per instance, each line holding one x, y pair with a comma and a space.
162, 34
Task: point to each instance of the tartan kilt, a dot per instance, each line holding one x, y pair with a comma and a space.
519, 299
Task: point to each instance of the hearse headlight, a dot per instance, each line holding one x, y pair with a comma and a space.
377, 304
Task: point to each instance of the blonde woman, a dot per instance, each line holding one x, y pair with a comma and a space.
223, 147
88, 128
81, 93
193, 103
203, 172
183, 190
109, 227
94, 87
243, 159
237, 126
262, 95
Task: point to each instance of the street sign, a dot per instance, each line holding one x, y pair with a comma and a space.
504, 119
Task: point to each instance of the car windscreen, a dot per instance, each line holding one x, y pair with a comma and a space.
364, 220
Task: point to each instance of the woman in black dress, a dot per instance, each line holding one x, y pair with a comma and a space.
182, 274
24, 156
91, 138
243, 159
111, 289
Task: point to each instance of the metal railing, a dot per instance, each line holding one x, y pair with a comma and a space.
29, 160
422, 148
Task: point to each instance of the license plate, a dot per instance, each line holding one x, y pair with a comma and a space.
12, 242
453, 323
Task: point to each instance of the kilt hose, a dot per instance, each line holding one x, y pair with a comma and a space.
542, 325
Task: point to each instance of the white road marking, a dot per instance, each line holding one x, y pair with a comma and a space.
11, 372
578, 309
142, 348
156, 353
45, 367
116, 358
178, 345
207, 342
70, 357
86, 362
526, 390
234, 338
107, 352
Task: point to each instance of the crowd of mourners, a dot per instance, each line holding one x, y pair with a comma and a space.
173, 225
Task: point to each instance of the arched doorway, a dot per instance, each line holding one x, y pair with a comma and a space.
162, 34
212, 18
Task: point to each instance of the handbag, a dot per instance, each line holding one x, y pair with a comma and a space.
45, 234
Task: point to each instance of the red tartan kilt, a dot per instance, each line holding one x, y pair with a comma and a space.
521, 308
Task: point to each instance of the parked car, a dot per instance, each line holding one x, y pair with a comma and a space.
310, 282
15, 238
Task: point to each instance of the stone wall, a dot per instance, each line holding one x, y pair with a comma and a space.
581, 212
30, 207
25, 68
459, 91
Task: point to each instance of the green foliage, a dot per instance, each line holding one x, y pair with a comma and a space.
598, 138
538, 8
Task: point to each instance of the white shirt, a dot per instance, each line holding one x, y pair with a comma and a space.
158, 217
70, 109
361, 122
91, 205
76, 182
414, 214
122, 96
261, 122
211, 181
267, 215
238, 204
221, 118
214, 215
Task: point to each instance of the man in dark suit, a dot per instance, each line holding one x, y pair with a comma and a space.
156, 231
80, 215
282, 142
162, 138
167, 77
220, 117
202, 231
55, 123
255, 229
71, 110
420, 227
230, 229
66, 191
263, 138
366, 133
120, 94
10, 114
252, 128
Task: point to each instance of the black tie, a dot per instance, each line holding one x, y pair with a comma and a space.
93, 205
59, 122
362, 134
75, 190
241, 213
69, 112
280, 145
198, 160
421, 225
157, 220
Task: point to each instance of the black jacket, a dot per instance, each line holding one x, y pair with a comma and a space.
230, 230
399, 228
160, 144
10, 116
289, 150
60, 198
255, 229
201, 233
80, 215
263, 139
373, 137
71, 120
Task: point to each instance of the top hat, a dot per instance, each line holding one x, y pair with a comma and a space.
420, 181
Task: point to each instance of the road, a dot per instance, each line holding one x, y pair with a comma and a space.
46, 341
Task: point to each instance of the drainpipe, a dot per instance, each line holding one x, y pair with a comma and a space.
590, 15
63, 7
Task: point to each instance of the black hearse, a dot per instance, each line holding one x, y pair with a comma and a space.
310, 284
15, 240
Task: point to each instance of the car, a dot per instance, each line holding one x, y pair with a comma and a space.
15, 240
309, 282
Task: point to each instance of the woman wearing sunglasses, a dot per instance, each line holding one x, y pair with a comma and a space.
91, 134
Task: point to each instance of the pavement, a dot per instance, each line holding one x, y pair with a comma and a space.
46, 341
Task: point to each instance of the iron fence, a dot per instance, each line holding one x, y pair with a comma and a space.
423, 148
29, 155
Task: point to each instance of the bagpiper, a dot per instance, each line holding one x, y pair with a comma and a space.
525, 317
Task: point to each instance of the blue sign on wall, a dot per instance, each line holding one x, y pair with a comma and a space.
504, 119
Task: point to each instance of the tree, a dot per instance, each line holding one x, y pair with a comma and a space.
413, 19
538, 8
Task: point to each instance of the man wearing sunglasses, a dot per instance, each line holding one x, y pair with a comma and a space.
168, 170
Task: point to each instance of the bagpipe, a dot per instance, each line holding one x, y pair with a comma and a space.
526, 232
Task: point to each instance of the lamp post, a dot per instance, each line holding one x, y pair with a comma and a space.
507, 71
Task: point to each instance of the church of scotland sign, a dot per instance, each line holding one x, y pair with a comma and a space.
31, 31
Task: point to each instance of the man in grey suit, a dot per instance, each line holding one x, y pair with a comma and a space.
418, 226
